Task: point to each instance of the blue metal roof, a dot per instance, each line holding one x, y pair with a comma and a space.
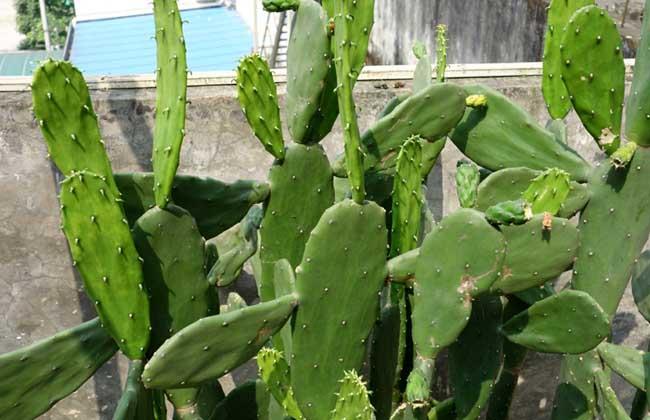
216, 38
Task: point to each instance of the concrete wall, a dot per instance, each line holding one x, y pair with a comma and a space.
40, 292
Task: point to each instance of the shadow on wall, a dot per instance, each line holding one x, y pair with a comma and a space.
486, 31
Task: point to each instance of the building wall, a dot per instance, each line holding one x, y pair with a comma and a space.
40, 293
9, 36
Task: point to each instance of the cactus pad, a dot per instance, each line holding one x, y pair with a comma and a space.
548, 192
594, 73
215, 205
473, 373
611, 407
515, 212
104, 254
309, 69
407, 198
423, 70
502, 135
326, 341
637, 111
136, 402
259, 101
535, 255
625, 361
301, 190
641, 285
64, 110
467, 181
171, 97
212, 346
510, 183
274, 371
555, 93
173, 252
543, 327
614, 227
280, 5
623, 156
353, 400
34, 378
249, 401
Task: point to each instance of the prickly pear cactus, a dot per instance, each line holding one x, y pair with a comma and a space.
171, 97
280, 5
257, 96
548, 192
352, 401
467, 181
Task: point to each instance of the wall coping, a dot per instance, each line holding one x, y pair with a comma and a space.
369, 73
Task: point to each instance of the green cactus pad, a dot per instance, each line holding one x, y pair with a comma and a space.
353, 400
64, 110
213, 346
555, 93
515, 212
441, 52
510, 183
641, 285
196, 403
623, 156
575, 397
104, 253
401, 269
535, 294
392, 104
171, 97
301, 190
625, 361
611, 407
448, 277
443, 106
502, 135
215, 205
467, 181
239, 247
281, 5
258, 98
385, 360
513, 360
548, 192
326, 341
284, 283
249, 401
407, 198
173, 252
274, 371
136, 402
559, 130
358, 16
423, 70
309, 70
593, 72
535, 255
637, 111
568, 322
614, 228
475, 358
34, 378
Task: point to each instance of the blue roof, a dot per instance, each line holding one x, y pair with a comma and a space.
216, 38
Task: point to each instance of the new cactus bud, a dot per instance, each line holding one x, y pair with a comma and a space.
623, 156
423, 71
257, 96
514, 212
476, 101
353, 400
548, 192
467, 180
280, 5
275, 373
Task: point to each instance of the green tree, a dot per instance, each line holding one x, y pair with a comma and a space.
28, 22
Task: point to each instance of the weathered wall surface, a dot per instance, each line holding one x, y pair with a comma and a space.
40, 293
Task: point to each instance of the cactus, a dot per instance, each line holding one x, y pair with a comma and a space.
515, 212
509, 184
548, 192
274, 371
385, 360
622, 157
213, 346
535, 255
423, 71
312, 105
104, 253
594, 73
36, 377
443, 291
257, 96
171, 97
553, 88
627, 362
215, 205
65, 114
611, 407
352, 399
473, 373
280, 5
441, 52
467, 181
234, 302
249, 401
136, 402
636, 113
542, 327
502, 135
323, 286
641, 285
575, 397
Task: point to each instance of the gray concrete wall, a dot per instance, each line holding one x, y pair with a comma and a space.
40, 291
